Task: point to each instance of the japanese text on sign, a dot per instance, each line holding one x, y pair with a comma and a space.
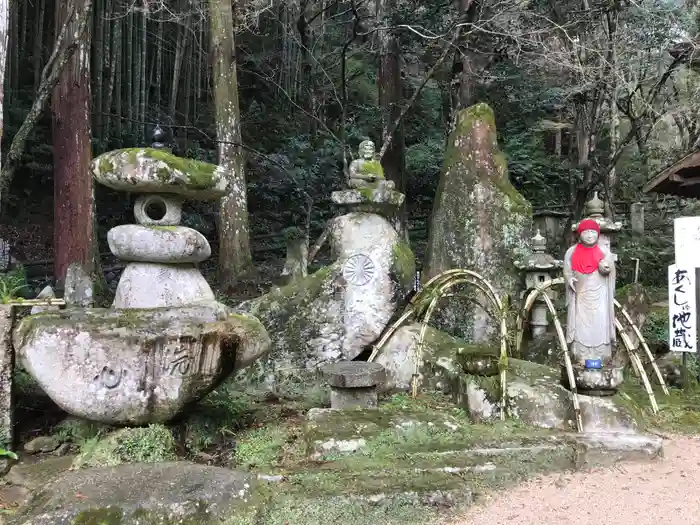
682, 328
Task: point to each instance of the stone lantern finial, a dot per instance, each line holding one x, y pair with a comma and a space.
595, 207
539, 243
158, 138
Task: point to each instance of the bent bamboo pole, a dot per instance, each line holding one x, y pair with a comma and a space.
645, 346
637, 365
567, 360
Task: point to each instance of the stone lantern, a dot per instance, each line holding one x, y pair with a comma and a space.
594, 209
538, 268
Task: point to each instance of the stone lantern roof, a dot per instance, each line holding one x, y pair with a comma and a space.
538, 260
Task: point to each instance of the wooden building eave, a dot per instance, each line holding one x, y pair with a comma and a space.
681, 179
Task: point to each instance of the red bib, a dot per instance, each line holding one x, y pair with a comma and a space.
585, 259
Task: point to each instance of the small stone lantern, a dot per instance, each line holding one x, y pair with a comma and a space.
539, 267
595, 208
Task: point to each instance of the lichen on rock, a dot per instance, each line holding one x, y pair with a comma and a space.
149, 170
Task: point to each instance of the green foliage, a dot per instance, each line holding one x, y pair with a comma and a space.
150, 444
217, 417
655, 328
12, 283
78, 431
260, 447
4, 453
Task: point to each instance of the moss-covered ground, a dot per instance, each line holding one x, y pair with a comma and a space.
405, 450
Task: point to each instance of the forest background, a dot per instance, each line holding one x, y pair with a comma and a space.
588, 95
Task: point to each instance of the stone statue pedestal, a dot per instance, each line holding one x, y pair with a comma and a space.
595, 382
380, 200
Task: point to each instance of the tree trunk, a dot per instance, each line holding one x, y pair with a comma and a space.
389, 87
73, 192
462, 85
4, 34
235, 256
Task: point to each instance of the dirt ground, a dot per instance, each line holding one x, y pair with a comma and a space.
664, 491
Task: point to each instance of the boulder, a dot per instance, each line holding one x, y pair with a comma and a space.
136, 366
150, 170
341, 309
469, 372
141, 493
479, 221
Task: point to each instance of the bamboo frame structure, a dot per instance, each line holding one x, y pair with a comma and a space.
439, 286
634, 356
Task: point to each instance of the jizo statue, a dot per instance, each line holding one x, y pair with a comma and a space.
366, 171
589, 271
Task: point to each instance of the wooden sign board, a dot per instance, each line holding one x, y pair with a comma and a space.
682, 309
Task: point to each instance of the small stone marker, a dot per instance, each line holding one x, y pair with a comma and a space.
637, 217
354, 383
6, 370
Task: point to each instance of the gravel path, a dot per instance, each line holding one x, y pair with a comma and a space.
665, 491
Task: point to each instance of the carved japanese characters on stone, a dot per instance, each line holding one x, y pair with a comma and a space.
589, 271
366, 171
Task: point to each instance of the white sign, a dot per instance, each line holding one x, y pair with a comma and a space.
686, 239
682, 309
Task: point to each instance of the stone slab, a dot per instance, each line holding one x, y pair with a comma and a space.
176, 492
354, 374
33, 476
368, 196
148, 170
158, 244
602, 449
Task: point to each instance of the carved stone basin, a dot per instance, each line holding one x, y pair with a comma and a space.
136, 366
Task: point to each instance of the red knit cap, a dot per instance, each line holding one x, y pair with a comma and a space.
587, 224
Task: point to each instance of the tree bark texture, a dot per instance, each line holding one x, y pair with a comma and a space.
73, 191
390, 97
235, 256
4, 35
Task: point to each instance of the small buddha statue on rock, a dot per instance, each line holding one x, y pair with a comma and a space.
366, 172
589, 271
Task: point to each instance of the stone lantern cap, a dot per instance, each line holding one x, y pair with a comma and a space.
538, 260
594, 209
153, 170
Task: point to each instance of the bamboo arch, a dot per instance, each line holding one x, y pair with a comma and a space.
430, 294
635, 360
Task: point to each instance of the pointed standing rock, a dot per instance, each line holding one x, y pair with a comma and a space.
479, 222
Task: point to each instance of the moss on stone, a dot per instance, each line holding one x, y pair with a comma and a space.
403, 264
367, 193
105, 516
105, 165
480, 222
201, 174
372, 167
253, 328
170, 228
